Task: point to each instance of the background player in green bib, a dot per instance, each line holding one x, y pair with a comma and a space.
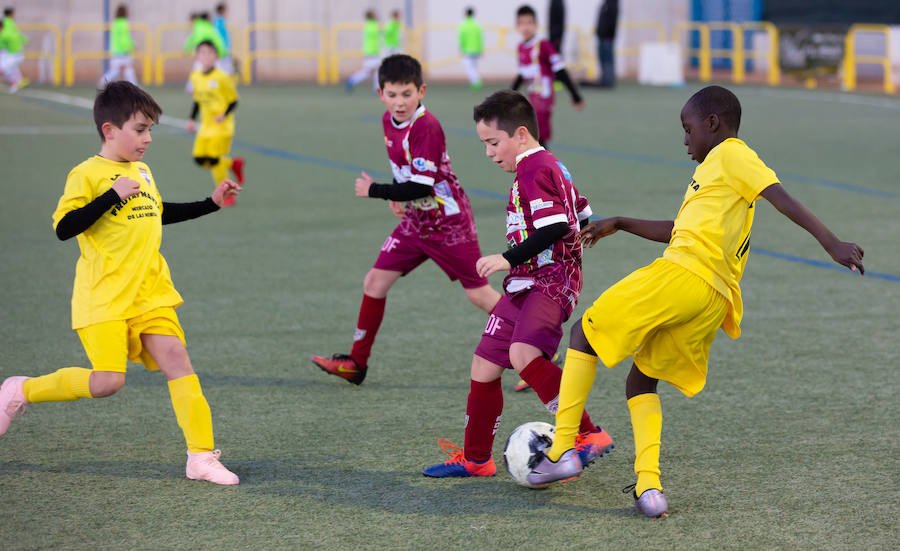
12, 51
392, 34
121, 50
371, 51
471, 46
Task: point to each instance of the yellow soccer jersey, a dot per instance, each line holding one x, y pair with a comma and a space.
120, 273
214, 91
711, 236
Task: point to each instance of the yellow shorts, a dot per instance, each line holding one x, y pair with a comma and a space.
212, 146
109, 345
663, 315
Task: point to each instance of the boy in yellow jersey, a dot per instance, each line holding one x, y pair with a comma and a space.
667, 314
123, 301
215, 99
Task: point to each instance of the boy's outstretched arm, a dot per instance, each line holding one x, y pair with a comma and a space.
843, 252
179, 212
78, 220
654, 230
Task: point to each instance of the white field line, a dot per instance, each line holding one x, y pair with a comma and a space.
84, 103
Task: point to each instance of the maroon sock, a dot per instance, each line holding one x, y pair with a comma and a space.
544, 376
483, 412
371, 312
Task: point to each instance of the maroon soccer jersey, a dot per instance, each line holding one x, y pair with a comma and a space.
418, 153
543, 194
538, 62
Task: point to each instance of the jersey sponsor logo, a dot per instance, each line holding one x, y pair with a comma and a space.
566, 174
213, 84
444, 196
115, 177
423, 165
423, 203
390, 244
694, 185
145, 175
493, 325
515, 221
539, 204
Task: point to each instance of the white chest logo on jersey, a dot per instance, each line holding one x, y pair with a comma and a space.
144, 175
423, 165
213, 84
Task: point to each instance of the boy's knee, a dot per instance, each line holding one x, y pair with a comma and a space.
106, 383
374, 285
201, 161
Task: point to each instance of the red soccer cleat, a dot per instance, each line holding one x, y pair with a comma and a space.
342, 366
237, 167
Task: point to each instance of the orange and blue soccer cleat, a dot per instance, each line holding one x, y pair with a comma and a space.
651, 502
12, 401
237, 167
591, 445
458, 465
206, 466
343, 366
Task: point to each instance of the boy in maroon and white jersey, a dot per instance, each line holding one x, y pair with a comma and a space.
541, 290
540, 65
436, 218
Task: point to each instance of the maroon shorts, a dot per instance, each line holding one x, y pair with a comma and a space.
404, 253
543, 110
529, 317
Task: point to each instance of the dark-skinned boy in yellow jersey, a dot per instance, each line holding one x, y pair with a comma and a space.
667, 314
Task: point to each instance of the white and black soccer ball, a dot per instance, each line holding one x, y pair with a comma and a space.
525, 447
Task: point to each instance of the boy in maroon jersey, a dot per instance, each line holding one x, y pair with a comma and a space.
544, 261
436, 219
539, 66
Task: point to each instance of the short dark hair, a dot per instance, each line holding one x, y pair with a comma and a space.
525, 9
370, 14
122, 11
8, 12
510, 110
203, 15
717, 100
118, 101
221, 7
470, 12
209, 43
400, 68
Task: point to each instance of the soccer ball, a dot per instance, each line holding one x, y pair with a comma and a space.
522, 449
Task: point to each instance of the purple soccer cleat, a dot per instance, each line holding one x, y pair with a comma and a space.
547, 472
652, 503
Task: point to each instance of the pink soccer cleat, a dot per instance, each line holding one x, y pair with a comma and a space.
206, 466
12, 401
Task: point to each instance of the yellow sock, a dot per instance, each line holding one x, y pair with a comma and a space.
577, 380
646, 421
220, 170
63, 385
192, 413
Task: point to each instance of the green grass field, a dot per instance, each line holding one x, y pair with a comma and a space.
793, 444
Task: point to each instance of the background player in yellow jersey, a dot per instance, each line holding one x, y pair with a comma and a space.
215, 99
667, 314
123, 299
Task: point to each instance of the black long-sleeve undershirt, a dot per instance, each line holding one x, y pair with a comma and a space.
195, 110
400, 191
518, 82
79, 220
541, 239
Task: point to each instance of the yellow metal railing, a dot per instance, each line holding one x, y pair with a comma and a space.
851, 59
56, 57
145, 55
770, 55
320, 56
417, 42
337, 55
703, 53
161, 55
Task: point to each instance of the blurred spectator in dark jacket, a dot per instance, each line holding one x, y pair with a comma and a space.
606, 36
557, 23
